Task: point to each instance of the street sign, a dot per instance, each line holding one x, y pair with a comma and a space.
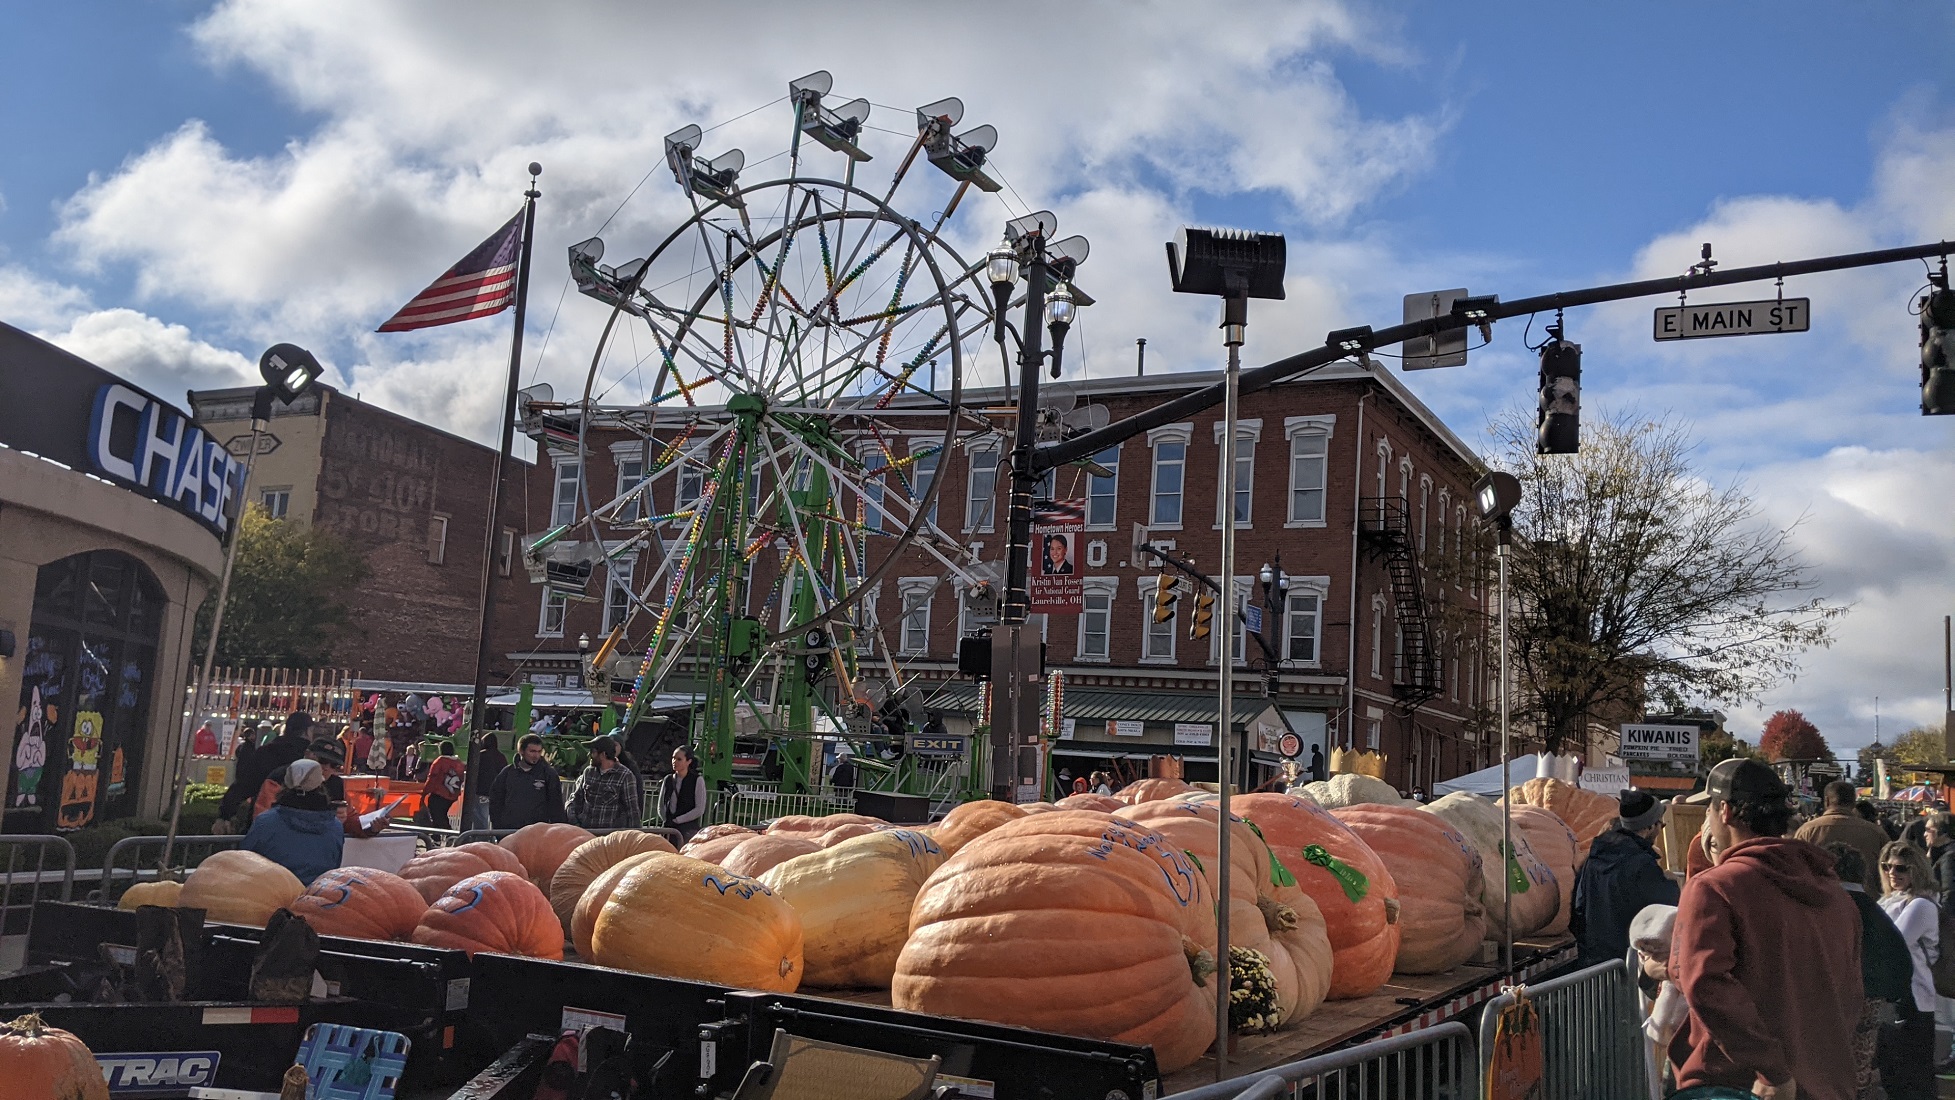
936, 744
1252, 618
1734, 319
1447, 349
1658, 742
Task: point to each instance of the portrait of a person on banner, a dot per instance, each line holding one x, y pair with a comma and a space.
1058, 555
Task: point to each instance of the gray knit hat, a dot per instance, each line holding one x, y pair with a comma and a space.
1638, 810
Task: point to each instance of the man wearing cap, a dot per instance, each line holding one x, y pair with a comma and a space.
1767, 952
300, 832
1840, 823
608, 796
1620, 878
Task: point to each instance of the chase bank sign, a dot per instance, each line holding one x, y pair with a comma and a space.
143, 444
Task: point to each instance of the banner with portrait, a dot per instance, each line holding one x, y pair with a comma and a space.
1054, 583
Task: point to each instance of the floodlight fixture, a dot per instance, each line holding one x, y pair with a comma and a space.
1040, 226
836, 128
1351, 341
1230, 263
959, 156
288, 370
1495, 496
1479, 310
716, 179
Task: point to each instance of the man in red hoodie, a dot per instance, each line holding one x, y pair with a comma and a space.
1767, 952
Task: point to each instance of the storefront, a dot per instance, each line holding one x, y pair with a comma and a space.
113, 509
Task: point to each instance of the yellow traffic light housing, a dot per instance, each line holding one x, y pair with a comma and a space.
1200, 623
1165, 594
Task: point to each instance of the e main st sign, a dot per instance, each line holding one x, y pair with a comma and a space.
1689, 322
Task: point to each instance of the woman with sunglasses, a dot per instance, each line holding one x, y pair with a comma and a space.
1907, 1048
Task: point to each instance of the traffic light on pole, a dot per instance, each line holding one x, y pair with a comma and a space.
1558, 421
1198, 624
1165, 587
1938, 347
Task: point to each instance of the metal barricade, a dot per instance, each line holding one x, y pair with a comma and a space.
754, 802
1590, 1033
26, 878
1431, 1063
140, 859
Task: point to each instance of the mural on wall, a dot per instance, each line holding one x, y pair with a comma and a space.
30, 750
79, 786
43, 680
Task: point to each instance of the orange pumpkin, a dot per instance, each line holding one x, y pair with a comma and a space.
759, 854
591, 859
583, 918
239, 887
714, 841
1105, 803
434, 871
38, 1062
686, 918
543, 847
847, 832
361, 902
967, 822
1440, 919
803, 825
1553, 844
1586, 813
494, 911
1077, 922
1356, 894
1150, 790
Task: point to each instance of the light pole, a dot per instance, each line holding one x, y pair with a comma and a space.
1495, 495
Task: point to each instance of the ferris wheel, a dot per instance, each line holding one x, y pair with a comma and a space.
807, 340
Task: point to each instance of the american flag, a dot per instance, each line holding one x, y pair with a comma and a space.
482, 284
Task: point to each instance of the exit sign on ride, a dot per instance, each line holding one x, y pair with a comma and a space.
1734, 319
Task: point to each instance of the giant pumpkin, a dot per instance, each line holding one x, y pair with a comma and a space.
1440, 919
714, 841
591, 859
1586, 813
1352, 789
1267, 912
583, 917
542, 847
38, 1062
1536, 895
1552, 841
971, 820
685, 918
1105, 803
361, 902
1151, 790
1078, 922
757, 854
239, 887
854, 900
494, 911
813, 827
162, 892
434, 871
1347, 880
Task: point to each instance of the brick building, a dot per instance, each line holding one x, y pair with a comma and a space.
414, 498
1344, 476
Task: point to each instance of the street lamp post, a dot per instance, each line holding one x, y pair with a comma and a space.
1495, 495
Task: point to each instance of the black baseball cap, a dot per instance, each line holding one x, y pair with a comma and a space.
604, 743
1745, 781
327, 752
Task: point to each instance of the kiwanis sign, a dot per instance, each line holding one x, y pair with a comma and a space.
1676, 744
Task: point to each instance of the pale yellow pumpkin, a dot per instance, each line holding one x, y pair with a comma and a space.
162, 893
239, 887
1536, 895
681, 917
854, 901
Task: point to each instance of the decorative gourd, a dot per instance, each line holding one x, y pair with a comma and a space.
803, 825
542, 848
163, 892
1440, 919
1352, 789
1105, 803
1356, 894
434, 871
239, 887
583, 918
714, 841
494, 911
1149, 790
38, 1062
1077, 922
362, 902
686, 918
1267, 912
591, 859
1536, 894
1554, 844
1586, 813
854, 901
971, 820
766, 851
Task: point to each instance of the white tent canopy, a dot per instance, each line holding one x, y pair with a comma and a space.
1486, 781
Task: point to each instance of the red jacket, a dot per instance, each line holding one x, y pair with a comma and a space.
445, 778
1767, 952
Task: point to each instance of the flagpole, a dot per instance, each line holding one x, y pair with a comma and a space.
478, 712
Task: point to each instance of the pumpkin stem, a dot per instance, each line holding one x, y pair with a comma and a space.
32, 1025
1201, 961
1391, 910
1355, 885
1277, 917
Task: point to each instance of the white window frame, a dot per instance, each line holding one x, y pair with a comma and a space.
1169, 434
506, 551
1111, 494
1320, 427
437, 539
983, 508
1425, 507
1445, 508
622, 456
561, 604
1244, 592
1405, 485
563, 491
692, 469
865, 637
1377, 635
1248, 431
1097, 588
1150, 630
919, 484
618, 576
924, 592
1318, 587
1384, 463
875, 486
282, 494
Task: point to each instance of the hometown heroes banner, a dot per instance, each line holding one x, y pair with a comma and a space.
1054, 586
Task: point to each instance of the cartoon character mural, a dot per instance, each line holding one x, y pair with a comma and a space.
31, 749
79, 786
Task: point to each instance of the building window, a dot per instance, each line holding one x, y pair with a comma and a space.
549, 623
1455, 670
1384, 463
692, 478
631, 472
276, 501
1425, 503
1157, 641
1303, 633
1459, 546
1445, 504
1405, 484
617, 592
875, 466
1096, 619
981, 491
1371, 733
917, 593
564, 503
1309, 465
1102, 493
1170, 445
923, 473
506, 551
1398, 655
1247, 433
865, 622
1377, 637
437, 539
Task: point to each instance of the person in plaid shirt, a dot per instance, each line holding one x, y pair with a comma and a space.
608, 795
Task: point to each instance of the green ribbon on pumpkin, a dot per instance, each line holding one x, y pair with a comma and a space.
1350, 878
1278, 874
1192, 858
1516, 878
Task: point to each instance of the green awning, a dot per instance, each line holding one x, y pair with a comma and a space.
1102, 704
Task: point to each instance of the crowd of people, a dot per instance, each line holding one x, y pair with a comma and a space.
1789, 963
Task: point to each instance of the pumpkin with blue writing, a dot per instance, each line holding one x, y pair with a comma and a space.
496, 911
1075, 921
970, 820
680, 917
1347, 880
758, 854
854, 901
362, 902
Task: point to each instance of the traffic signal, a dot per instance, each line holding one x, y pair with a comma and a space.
1558, 422
1198, 623
1938, 348
1165, 589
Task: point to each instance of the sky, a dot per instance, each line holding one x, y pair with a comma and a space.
185, 183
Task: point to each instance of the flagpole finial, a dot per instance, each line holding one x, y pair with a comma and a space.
535, 169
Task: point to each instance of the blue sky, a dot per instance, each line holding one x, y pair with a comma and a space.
186, 182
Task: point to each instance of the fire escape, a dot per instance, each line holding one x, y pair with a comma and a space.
1385, 532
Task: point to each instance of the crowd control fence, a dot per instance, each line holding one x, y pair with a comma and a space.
32, 868
1591, 1033
1432, 1063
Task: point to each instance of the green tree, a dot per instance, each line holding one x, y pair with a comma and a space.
1716, 745
1920, 745
287, 602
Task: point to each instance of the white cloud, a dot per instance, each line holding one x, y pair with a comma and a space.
159, 356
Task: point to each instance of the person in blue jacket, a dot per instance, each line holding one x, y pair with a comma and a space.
300, 833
